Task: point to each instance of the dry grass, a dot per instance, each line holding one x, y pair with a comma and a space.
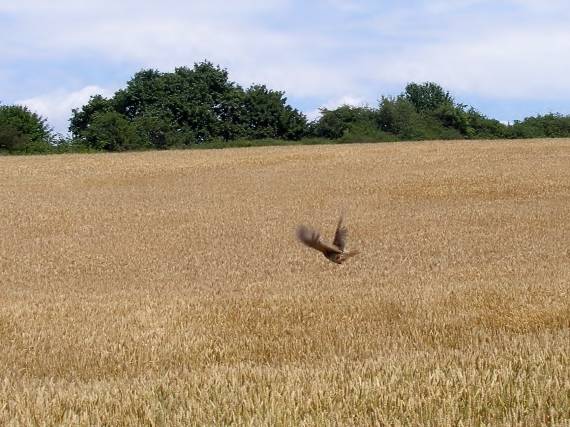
167, 288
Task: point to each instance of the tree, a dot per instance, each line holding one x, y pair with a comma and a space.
12, 140
155, 130
480, 126
191, 106
543, 126
80, 120
267, 115
144, 92
24, 130
427, 96
111, 131
400, 117
453, 117
232, 114
198, 102
336, 123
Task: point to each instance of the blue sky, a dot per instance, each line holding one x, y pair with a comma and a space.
509, 59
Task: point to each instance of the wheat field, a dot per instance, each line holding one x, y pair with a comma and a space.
167, 288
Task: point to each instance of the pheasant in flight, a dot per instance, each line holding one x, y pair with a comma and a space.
335, 252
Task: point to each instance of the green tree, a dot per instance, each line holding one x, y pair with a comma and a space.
543, 126
200, 103
346, 119
81, 118
144, 93
480, 126
267, 115
399, 116
12, 140
22, 130
232, 114
111, 131
192, 106
452, 117
155, 130
426, 97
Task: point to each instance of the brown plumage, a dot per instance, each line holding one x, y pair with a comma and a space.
335, 252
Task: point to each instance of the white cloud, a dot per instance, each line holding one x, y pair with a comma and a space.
512, 64
175, 33
56, 106
312, 50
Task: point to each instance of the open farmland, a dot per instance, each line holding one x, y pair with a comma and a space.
168, 287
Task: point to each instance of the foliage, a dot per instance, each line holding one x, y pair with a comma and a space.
482, 127
343, 120
111, 131
427, 96
11, 140
267, 115
190, 106
549, 125
22, 130
200, 106
420, 112
400, 117
81, 118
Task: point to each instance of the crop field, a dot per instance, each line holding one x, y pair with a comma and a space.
168, 288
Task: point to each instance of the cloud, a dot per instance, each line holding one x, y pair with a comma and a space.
317, 52
299, 61
512, 64
56, 106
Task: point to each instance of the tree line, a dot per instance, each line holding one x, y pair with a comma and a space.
201, 107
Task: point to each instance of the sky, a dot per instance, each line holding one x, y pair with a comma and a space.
509, 59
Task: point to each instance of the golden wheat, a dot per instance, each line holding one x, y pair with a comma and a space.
167, 288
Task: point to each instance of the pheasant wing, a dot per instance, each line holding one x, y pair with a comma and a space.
312, 238
340, 235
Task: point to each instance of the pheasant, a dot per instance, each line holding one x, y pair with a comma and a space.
335, 252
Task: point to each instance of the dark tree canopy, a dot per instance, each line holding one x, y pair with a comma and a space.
267, 115
111, 131
341, 121
23, 130
427, 96
81, 118
188, 106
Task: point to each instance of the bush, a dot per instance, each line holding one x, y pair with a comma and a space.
267, 115
365, 132
344, 120
547, 126
111, 131
12, 140
22, 131
426, 97
481, 127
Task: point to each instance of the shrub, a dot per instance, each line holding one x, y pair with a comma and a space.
111, 131
23, 131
